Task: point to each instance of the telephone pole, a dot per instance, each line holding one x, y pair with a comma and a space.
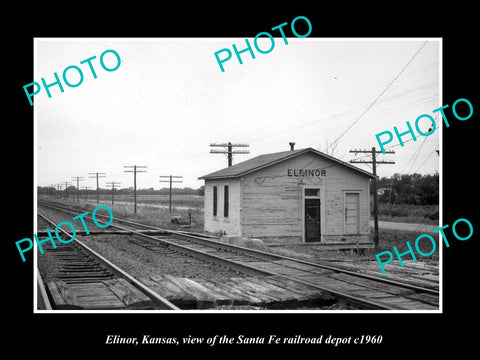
51, 190
78, 187
374, 163
86, 192
171, 181
97, 175
113, 184
134, 171
66, 192
228, 150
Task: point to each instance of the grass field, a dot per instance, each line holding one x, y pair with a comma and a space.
149, 214
387, 240
193, 201
426, 214
153, 210
423, 214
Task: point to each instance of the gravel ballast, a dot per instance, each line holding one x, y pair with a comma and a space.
143, 262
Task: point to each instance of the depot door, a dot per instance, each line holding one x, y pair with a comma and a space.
312, 220
352, 213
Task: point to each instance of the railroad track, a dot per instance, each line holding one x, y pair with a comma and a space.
358, 290
80, 278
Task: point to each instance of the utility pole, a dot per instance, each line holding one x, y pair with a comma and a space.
113, 184
228, 150
66, 193
50, 192
390, 198
97, 175
78, 187
171, 181
135, 167
86, 192
374, 163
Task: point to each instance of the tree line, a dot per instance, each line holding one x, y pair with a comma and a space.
413, 189
48, 190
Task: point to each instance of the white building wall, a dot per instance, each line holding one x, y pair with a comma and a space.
273, 200
269, 203
231, 224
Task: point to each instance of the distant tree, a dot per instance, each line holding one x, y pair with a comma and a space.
414, 189
329, 148
429, 189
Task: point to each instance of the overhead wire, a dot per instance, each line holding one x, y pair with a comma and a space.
341, 108
428, 157
416, 154
380, 95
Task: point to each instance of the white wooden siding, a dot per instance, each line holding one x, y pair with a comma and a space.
269, 203
352, 213
230, 225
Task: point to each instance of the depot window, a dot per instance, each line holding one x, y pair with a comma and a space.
214, 201
225, 201
312, 192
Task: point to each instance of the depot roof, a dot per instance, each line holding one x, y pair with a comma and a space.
263, 161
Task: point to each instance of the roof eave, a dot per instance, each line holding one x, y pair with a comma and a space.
245, 172
206, 177
296, 153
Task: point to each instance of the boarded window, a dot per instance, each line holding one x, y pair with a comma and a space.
214, 201
225, 201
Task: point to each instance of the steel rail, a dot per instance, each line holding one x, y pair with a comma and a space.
158, 300
42, 292
265, 255
253, 270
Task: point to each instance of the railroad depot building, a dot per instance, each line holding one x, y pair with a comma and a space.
294, 196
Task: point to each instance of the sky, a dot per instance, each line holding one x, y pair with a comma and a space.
168, 101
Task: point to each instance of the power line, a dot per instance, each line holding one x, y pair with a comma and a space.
59, 195
417, 151
417, 154
354, 102
404, 142
414, 155
378, 97
374, 163
229, 150
171, 181
78, 187
113, 184
428, 157
86, 192
135, 167
66, 187
97, 175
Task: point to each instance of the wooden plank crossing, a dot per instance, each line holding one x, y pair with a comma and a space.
414, 273
394, 296
429, 299
169, 290
268, 291
75, 281
278, 292
107, 294
236, 296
